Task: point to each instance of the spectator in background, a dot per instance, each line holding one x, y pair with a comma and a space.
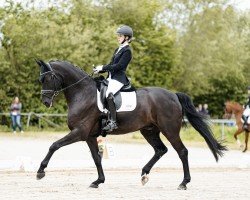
200, 108
205, 109
15, 113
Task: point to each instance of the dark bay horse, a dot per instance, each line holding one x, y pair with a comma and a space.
157, 110
237, 109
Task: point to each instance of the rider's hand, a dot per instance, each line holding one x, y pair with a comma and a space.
97, 69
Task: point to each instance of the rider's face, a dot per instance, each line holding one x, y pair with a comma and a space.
120, 38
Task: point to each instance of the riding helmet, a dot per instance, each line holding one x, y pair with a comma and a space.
125, 30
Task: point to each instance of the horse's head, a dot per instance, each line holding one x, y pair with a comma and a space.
51, 83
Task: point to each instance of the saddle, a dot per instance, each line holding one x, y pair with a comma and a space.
125, 100
102, 86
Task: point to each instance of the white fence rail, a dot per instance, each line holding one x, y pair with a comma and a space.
42, 116
222, 123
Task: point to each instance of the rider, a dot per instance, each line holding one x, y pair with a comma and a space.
116, 71
246, 112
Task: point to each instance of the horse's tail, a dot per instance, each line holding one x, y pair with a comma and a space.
199, 122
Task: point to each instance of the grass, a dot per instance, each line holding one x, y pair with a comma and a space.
189, 136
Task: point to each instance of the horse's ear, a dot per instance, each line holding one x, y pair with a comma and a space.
46, 66
38, 62
43, 66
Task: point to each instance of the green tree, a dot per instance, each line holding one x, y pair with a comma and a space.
190, 46
229, 87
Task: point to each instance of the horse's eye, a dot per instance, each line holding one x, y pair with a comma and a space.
47, 79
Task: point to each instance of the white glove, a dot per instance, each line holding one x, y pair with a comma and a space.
97, 69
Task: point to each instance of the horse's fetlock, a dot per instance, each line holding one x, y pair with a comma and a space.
187, 180
41, 169
43, 165
145, 171
101, 180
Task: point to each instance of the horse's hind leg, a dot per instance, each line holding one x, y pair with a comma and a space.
152, 135
246, 140
239, 131
172, 134
72, 137
93, 146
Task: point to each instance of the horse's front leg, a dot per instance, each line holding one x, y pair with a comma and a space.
93, 146
72, 137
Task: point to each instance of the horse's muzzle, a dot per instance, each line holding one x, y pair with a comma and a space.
47, 103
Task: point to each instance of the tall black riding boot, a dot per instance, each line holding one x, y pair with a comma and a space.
112, 109
245, 122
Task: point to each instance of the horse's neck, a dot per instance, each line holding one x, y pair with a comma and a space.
81, 92
238, 111
80, 86
71, 77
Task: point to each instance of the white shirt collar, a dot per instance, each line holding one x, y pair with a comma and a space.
122, 45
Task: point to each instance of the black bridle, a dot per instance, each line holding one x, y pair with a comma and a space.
56, 91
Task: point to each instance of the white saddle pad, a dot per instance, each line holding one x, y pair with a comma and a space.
128, 102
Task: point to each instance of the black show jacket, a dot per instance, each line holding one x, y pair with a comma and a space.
118, 64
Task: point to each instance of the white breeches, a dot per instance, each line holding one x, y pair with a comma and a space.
113, 87
246, 112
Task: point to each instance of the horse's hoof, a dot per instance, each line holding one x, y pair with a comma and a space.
40, 175
182, 187
244, 150
144, 179
93, 186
